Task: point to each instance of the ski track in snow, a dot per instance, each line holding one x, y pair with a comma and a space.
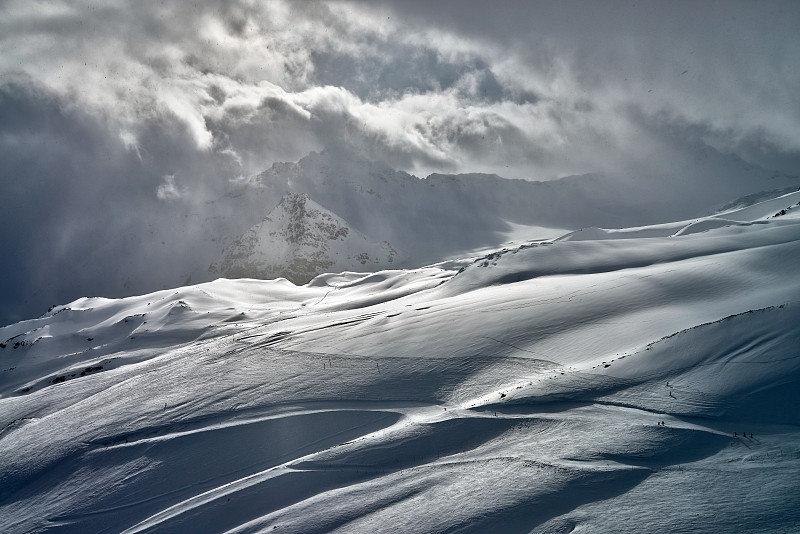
522, 391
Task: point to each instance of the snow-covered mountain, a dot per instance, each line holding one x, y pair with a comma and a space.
187, 239
641, 379
298, 240
412, 221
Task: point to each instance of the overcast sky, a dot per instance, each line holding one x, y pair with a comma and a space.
114, 113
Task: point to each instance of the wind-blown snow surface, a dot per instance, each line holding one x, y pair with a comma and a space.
519, 392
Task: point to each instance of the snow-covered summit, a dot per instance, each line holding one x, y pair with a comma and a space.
298, 240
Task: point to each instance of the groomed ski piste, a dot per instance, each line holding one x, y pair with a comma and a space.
633, 380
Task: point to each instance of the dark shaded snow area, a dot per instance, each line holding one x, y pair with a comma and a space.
634, 380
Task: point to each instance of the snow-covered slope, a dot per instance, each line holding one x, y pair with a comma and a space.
639, 380
778, 206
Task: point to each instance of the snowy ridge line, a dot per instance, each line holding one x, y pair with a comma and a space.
629, 262
774, 306
241, 417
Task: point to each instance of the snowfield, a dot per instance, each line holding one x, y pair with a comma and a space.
631, 380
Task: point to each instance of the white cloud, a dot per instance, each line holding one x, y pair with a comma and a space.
130, 142
168, 190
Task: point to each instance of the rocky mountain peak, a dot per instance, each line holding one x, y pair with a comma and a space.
298, 240
304, 222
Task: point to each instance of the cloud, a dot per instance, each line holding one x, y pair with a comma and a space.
81, 212
728, 66
546, 83
168, 190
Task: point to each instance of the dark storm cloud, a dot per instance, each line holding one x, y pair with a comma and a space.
81, 210
730, 67
557, 71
